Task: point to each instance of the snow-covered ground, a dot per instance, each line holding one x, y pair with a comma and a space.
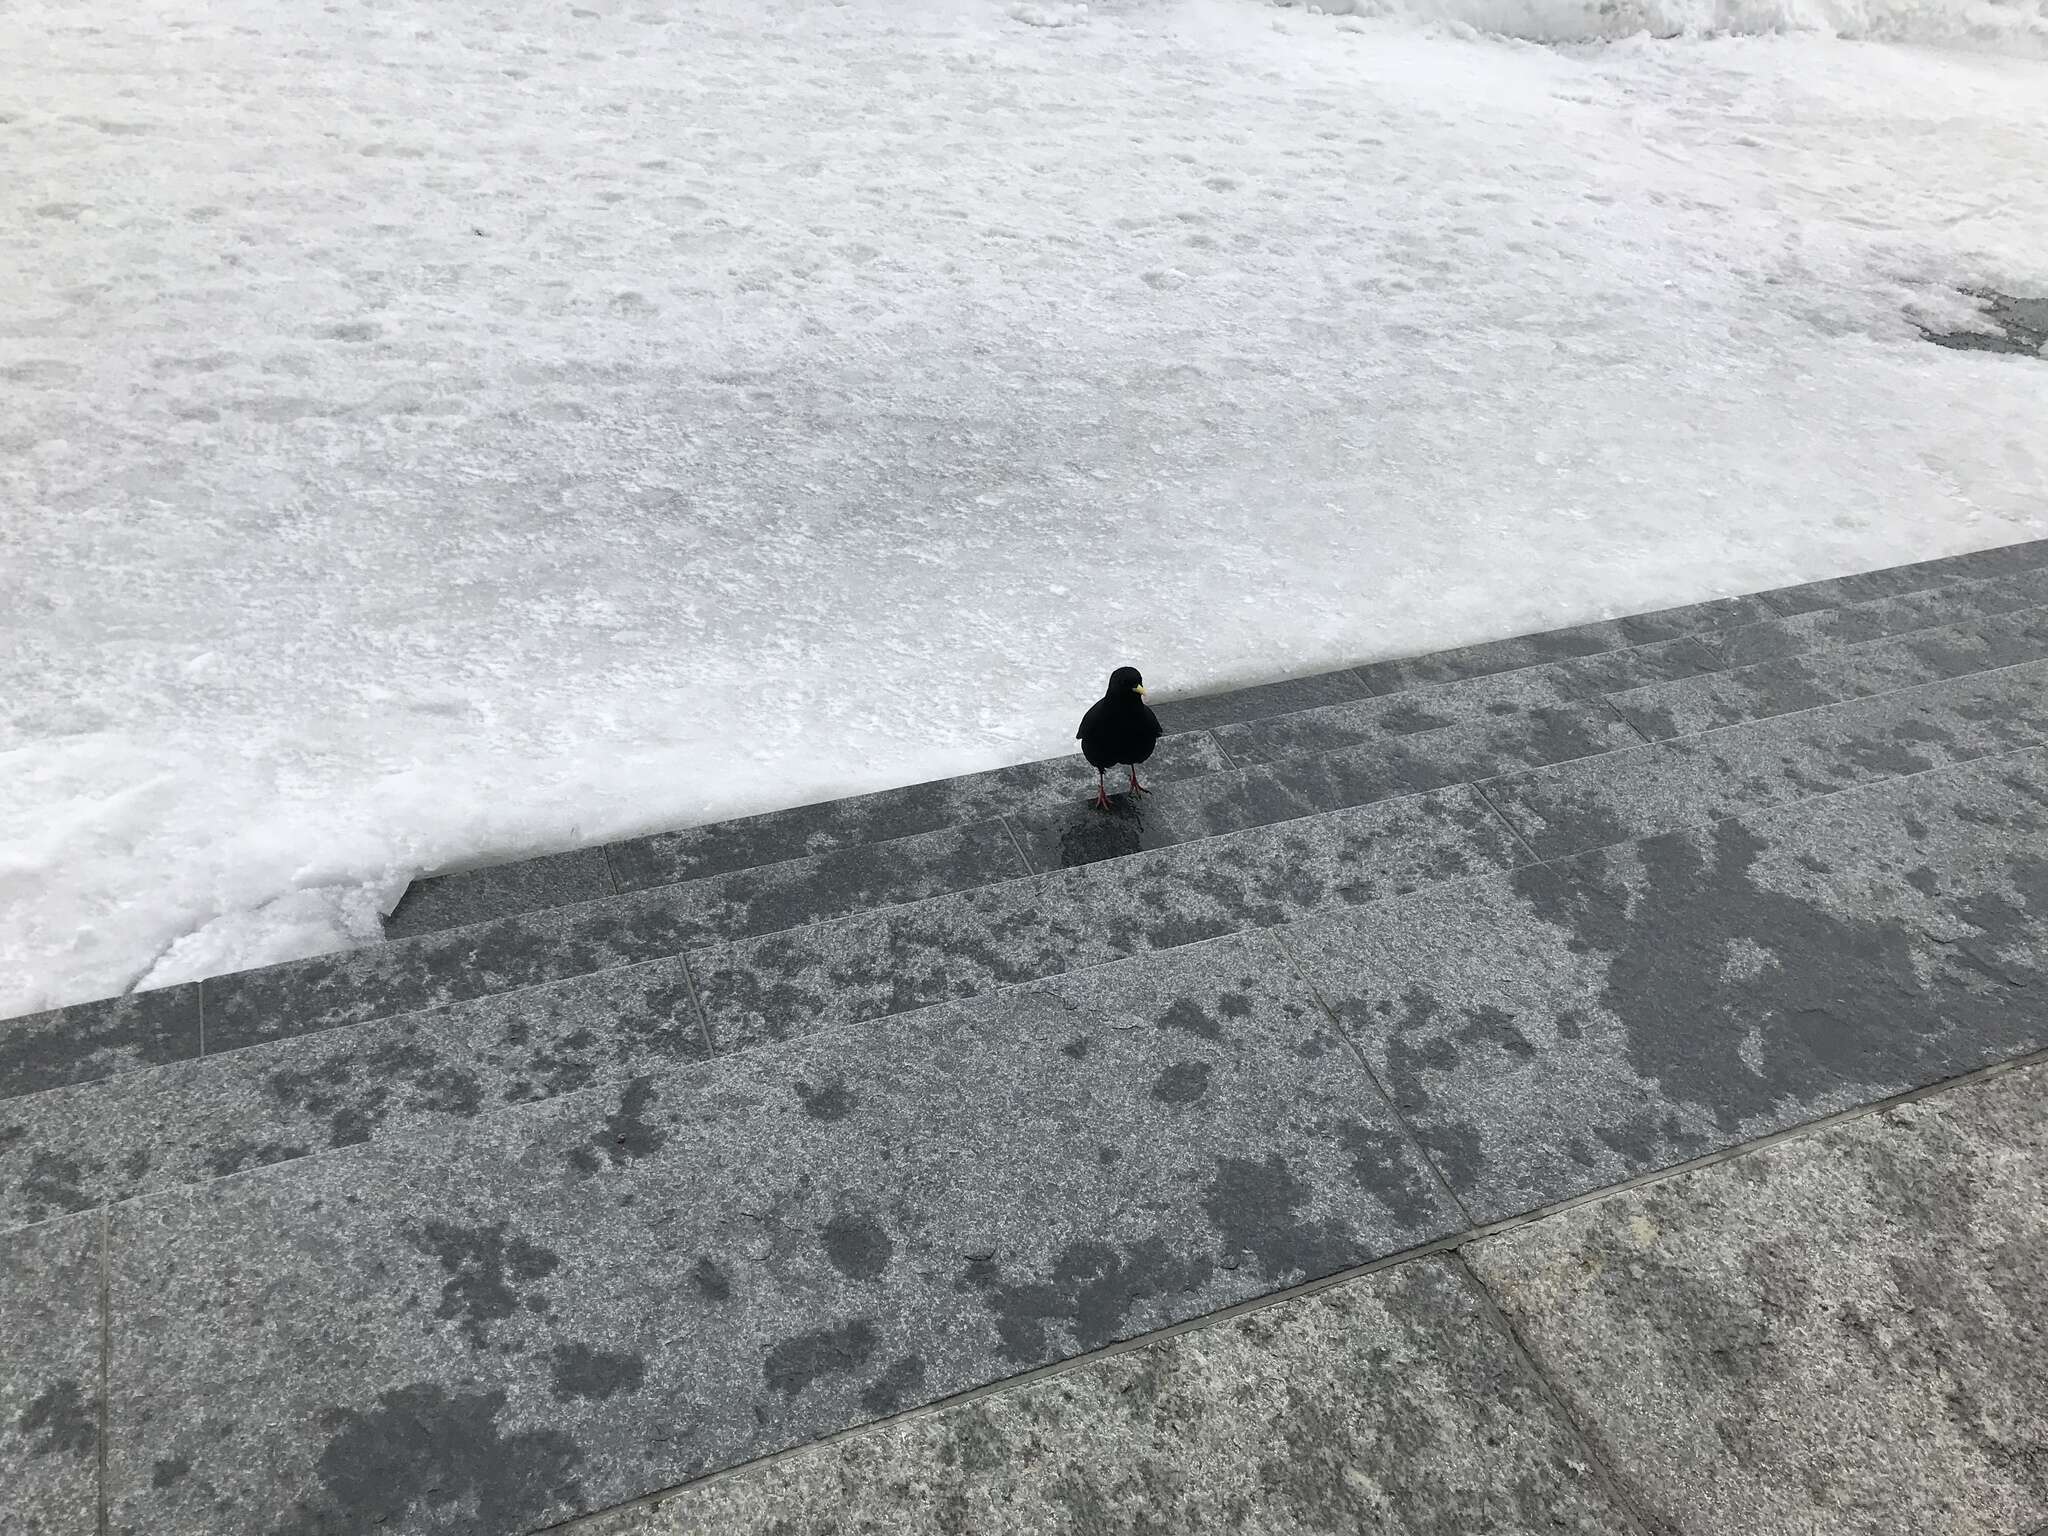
442, 431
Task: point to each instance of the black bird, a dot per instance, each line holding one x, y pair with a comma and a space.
1119, 728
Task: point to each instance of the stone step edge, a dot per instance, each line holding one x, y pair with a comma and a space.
1364, 692
1595, 706
1449, 1243
1641, 744
719, 1055
1477, 787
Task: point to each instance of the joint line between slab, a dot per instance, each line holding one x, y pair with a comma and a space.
1590, 1444
106, 1225
1615, 710
1408, 1131
1479, 789
1016, 842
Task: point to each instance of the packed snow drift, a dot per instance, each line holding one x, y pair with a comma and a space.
436, 433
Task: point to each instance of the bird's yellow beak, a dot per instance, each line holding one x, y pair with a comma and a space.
1139, 690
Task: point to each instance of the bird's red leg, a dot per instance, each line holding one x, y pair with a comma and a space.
1136, 787
1101, 791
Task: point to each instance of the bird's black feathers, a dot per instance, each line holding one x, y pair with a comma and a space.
1120, 726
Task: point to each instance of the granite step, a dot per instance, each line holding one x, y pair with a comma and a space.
1700, 619
1702, 1347
552, 941
140, 1132
1580, 661
1458, 733
534, 1314
1569, 808
1188, 752
1644, 672
1789, 684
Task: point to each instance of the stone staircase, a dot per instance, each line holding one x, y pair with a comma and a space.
615, 1168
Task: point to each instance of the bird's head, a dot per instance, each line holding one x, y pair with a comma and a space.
1125, 680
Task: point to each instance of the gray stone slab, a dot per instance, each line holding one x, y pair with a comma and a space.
490, 958
478, 895
1571, 1026
1953, 602
1793, 683
50, 1379
1695, 618
1841, 1332
556, 1308
1206, 711
1388, 1404
868, 967
1467, 661
1501, 696
1269, 793
1920, 576
804, 831
184, 1124
1573, 807
92, 1040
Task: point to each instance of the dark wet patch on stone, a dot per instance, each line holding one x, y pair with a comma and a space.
895, 1387
710, 1280
235, 1156
829, 1103
857, 1246
796, 1362
1075, 1049
442, 1454
1187, 1016
1381, 1165
1091, 1288
1183, 1082
60, 1421
595, 1374
168, 1471
484, 1264
1838, 999
628, 1136
1257, 1208
54, 1185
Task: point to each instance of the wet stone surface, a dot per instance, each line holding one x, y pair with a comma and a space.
1267, 794
1842, 1332
1578, 806
206, 1119
50, 1378
1816, 678
1204, 712
1954, 602
1566, 1027
808, 830
478, 895
332, 990
95, 1040
562, 1307
1391, 1404
914, 956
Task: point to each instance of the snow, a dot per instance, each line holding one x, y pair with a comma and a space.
439, 433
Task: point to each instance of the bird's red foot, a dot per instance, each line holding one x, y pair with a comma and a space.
1101, 798
1136, 787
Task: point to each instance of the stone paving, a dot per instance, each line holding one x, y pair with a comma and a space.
618, 1169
